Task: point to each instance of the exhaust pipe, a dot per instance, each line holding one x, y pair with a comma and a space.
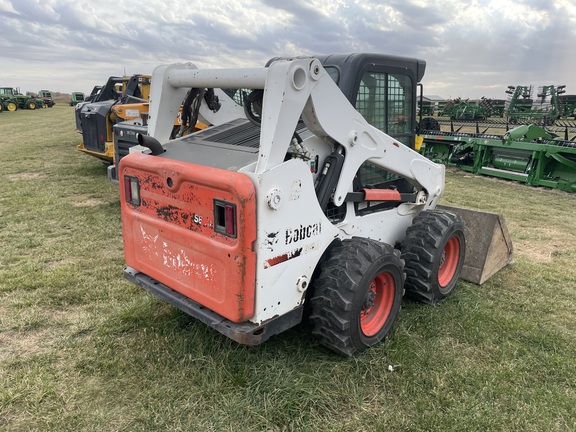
152, 143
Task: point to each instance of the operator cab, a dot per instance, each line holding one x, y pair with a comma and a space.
383, 88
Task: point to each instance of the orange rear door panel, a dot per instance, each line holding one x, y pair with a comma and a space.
171, 235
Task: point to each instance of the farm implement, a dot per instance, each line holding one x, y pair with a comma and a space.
47, 98
561, 126
76, 98
521, 105
528, 153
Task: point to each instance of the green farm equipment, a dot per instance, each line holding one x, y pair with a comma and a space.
427, 108
567, 105
22, 101
522, 108
47, 98
76, 98
467, 110
494, 107
527, 154
446, 107
472, 110
7, 102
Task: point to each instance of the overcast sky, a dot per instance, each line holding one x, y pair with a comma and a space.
472, 48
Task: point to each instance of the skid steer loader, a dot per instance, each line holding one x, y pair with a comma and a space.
314, 200
120, 99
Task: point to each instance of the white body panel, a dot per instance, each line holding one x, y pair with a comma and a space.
279, 286
292, 236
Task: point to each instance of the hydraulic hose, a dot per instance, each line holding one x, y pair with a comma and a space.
152, 143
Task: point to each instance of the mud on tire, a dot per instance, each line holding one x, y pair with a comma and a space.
433, 252
357, 295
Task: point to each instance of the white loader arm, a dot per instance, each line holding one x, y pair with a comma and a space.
303, 88
170, 83
293, 89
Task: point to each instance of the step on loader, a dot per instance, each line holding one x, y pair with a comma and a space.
314, 199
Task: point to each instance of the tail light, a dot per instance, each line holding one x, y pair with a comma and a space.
132, 190
225, 218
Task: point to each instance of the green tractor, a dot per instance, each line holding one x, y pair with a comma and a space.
22, 101
567, 105
7, 103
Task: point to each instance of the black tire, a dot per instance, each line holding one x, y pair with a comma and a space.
429, 123
357, 295
433, 251
31, 105
1, 106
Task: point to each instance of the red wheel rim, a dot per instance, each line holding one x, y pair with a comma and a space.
449, 261
378, 304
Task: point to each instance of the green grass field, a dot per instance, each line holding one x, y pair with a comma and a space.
83, 349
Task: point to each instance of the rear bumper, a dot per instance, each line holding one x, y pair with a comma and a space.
246, 333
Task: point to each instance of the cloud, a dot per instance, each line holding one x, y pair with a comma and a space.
471, 49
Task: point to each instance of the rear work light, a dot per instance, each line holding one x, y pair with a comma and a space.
225, 218
132, 190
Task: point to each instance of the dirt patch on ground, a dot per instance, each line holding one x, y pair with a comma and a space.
540, 253
24, 176
84, 201
24, 345
61, 263
544, 244
20, 342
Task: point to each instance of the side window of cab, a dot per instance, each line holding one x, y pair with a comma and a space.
385, 101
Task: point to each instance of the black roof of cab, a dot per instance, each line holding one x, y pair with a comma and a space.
349, 66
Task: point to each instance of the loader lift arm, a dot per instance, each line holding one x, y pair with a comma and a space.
294, 89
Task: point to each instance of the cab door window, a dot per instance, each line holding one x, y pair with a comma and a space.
385, 101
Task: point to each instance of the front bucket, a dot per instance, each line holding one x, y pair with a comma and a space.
488, 243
